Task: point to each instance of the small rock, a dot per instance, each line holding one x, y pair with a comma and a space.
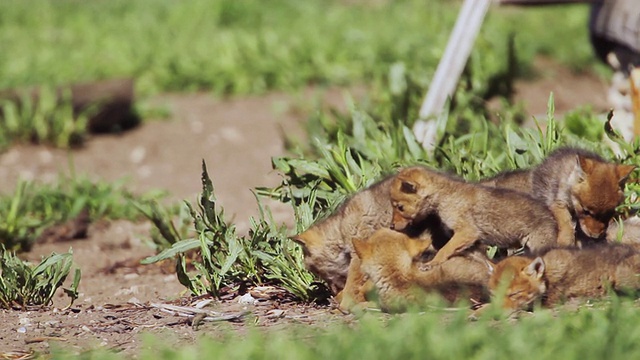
131, 276
231, 134
22, 329
247, 299
130, 291
196, 126
138, 154
275, 313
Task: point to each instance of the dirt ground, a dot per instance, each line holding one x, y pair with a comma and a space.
120, 299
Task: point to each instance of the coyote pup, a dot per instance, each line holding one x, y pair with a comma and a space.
475, 213
392, 261
580, 187
563, 273
327, 245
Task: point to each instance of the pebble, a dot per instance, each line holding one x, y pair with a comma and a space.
247, 299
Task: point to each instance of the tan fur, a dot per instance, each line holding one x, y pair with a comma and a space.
521, 280
518, 180
580, 188
392, 262
565, 273
627, 233
327, 245
475, 213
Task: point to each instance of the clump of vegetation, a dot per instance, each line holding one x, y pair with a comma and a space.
33, 207
584, 123
44, 119
265, 256
23, 285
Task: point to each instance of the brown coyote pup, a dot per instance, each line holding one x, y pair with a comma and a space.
578, 186
327, 245
392, 261
563, 273
475, 213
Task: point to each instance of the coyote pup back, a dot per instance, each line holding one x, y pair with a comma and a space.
475, 213
564, 273
327, 245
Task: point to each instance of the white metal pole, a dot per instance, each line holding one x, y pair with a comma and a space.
450, 68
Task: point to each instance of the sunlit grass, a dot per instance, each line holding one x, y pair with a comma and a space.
239, 47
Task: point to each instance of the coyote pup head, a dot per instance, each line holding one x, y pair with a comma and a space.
323, 258
388, 258
390, 252
408, 193
597, 191
521, 279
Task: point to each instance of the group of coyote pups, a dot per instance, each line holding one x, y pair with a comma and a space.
428, 230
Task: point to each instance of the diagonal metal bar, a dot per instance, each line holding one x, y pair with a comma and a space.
450, 68
451, 65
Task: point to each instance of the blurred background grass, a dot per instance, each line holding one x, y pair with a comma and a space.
249, 46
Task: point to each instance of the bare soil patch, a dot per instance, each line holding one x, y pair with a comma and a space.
237, 138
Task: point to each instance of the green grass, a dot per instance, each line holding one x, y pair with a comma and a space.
240, 47
607, 330
33, 207
42, 121
24, 286
244, 47
226, 259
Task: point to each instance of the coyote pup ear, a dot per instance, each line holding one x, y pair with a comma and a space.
408, 187
308, 239
623, 172
585, 164
536, 268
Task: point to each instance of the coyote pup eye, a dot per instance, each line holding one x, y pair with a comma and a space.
400, 207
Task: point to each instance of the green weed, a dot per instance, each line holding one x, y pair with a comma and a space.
33, 207
165, 233
24, 285
43, 120
265, 256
